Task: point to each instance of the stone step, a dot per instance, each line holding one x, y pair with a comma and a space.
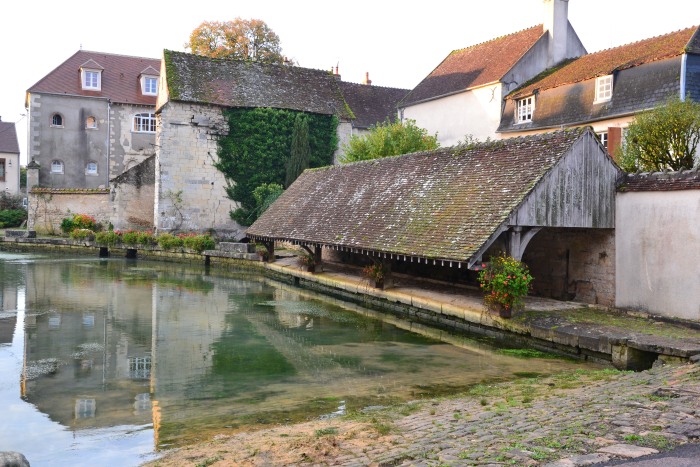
20, 233
232, 254
236, 247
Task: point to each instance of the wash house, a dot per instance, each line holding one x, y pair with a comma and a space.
547, 199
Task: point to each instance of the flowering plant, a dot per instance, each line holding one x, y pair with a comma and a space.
307, 259
505, 281
374, 272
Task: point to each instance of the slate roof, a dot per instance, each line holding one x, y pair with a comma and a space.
241, 83
474, 66
661, 181
371, 104
442, 205
120, 77
608, 61
8, 138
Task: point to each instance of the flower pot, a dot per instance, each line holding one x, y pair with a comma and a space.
379, 283
504, 312
310, 268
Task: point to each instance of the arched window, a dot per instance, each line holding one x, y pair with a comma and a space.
91, 123
57, 120
145, 123
56, 167
91, 168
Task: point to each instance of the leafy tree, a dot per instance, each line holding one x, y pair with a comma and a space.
663, 138
389, 139
242, 39
301, 152
265, 195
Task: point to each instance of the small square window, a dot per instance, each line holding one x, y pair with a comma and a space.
56, 167
603, 88
150, 85
603, 136
91, 80
91, 123
57, 120
91, 168
524, 109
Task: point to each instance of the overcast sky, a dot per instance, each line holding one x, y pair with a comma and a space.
397, 42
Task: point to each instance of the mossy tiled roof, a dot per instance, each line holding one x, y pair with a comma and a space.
661, 181
371, 105
608, 61
239, 83
474, 66
443, 204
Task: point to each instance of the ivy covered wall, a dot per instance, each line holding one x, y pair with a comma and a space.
258, 147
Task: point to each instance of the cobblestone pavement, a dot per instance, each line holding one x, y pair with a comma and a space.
571, 419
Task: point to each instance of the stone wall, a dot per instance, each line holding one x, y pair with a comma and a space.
132, 197
48, 207
190, 192
573, 264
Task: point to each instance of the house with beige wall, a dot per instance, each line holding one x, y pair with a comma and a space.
463, 95
607, 89
9, 159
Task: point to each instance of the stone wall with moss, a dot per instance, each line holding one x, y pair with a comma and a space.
48, 207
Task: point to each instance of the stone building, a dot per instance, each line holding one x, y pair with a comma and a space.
92, 118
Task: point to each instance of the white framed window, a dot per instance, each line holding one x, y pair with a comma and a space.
92, 80
91, 168
91, 123
2, 170
603, 136
149, 85
56, 167
139, 367
524, 108
603, 88
57, 120
145, 123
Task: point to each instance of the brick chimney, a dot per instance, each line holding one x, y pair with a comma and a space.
556, 23
367, 80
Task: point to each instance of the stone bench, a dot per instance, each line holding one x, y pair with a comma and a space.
20, 233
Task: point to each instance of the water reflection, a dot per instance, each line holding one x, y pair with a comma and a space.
110, 349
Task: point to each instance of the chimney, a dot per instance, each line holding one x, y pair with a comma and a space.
367, 81
556, 23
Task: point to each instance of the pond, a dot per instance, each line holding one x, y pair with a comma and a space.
108, 361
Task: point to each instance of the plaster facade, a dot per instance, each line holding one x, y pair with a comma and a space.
47, 208
658, 252
9, 173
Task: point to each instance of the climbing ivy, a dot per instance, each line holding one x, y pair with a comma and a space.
258, 147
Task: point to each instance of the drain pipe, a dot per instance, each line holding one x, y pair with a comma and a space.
684, 67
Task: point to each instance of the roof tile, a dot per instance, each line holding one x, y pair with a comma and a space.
8, 138
371, 105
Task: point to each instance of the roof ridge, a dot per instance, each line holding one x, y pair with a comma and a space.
497, 38
374, 86
115, 55
628, 44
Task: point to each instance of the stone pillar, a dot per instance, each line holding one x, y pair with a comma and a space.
388, 277
32, 181
317, 254
270, 247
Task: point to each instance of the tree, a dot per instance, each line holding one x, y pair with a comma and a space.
265, 195
389, 139
300, 152
242, 39
664, 138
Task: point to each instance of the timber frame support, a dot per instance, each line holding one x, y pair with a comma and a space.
518, 239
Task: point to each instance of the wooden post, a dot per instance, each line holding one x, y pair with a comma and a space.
388, 277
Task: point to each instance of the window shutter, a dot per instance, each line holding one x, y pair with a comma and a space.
614, 139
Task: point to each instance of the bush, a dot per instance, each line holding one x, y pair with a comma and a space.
79, 221
109, 238
169, 241
12, 217
10, 202
146, 238
130, 237
505, 281
197, 242
82, 234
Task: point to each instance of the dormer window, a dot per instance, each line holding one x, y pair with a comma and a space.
149, 81
91, 76
149, 85
603, 88
524, 108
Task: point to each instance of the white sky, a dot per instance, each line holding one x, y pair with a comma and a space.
397, 42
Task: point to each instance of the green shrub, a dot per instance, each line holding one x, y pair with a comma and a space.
130, 237
146, 238
82, 234
12, 217
67, 225
198, 242
10, 202
169, 241
109, 238
79, 221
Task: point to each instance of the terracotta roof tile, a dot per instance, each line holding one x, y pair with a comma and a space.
607, 61
120, 77
371, 104
475, 66
8, 138
239, 83
443, 204
661, 181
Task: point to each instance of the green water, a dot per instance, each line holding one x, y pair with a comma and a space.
108, 361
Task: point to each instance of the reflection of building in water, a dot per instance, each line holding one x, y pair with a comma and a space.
7, 328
